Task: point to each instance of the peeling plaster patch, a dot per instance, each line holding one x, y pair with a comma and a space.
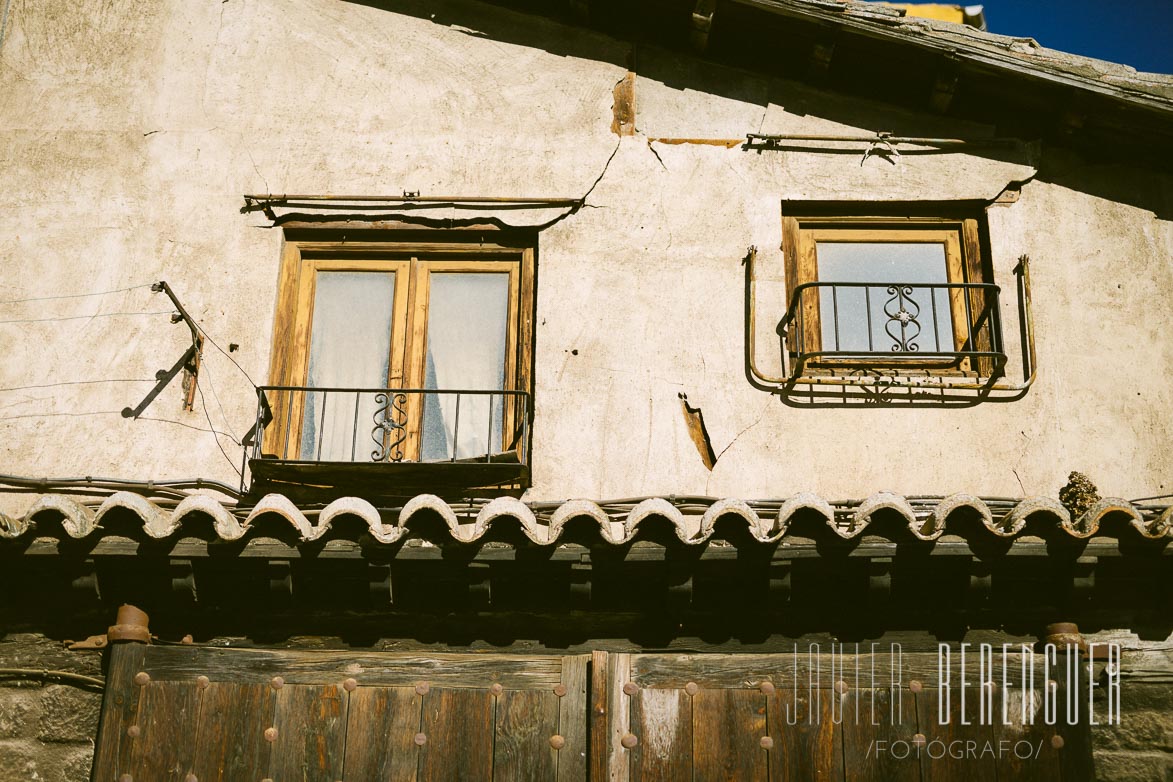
623, 109
694, 419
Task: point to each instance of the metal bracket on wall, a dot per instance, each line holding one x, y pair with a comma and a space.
882, 147
189, 362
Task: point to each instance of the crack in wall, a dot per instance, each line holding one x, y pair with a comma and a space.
4, 22
737, 436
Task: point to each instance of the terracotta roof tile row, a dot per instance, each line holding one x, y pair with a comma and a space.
914, 518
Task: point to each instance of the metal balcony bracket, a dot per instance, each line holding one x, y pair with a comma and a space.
264, 418
882, 147
188, 363
876, 384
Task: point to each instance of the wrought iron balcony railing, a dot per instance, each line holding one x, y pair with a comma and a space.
332, 434
936, 326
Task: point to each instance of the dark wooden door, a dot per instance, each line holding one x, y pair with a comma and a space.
782, 717
197, 714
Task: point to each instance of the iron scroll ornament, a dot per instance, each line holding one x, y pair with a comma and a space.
905, 317
390, 420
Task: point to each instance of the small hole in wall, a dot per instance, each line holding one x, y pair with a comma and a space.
574, 352
233, 347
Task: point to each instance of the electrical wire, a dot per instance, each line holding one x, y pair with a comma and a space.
57, 415
216, 345
88, 413
77, 295
79, 383
185, 426
121, 484
227, 458
216, 397
45, 673
85, 317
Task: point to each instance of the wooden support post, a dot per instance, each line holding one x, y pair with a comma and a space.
980, 581
124, 661
1072, 737
779, 584
479, 585
879, 582
822, 53
379, 585
701, 24
944, 87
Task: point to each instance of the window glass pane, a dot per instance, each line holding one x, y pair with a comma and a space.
467, 325
896, 313
350, 340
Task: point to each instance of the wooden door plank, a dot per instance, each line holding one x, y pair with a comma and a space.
572, 719
230, 732
878, 729
741, 670
119, 710
458, 725
1075, 755
311, 733
937, 762
662, 721
381, 725
167, 718
1031, 756
599, 746
526, 720
618, 718
245, 666
808, 744
727, 730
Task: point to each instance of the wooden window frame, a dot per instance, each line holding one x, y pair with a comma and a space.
961, 228
412, 256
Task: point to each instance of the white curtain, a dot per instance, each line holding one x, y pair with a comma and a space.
467, 326
350, 340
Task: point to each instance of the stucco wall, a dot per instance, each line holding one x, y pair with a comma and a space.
130, 130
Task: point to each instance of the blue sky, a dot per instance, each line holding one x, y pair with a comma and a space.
1134, 32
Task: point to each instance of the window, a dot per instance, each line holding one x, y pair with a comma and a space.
392, 351
901, 291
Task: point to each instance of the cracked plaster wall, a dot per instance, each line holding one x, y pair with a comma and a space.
129, 132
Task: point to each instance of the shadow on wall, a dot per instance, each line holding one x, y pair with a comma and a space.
643, 40
760, 72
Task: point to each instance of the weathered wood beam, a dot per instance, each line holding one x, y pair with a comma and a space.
821, 54
701, 24
581, 10
944, 87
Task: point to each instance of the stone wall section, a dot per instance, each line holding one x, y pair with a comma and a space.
47, 726
1140, 748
